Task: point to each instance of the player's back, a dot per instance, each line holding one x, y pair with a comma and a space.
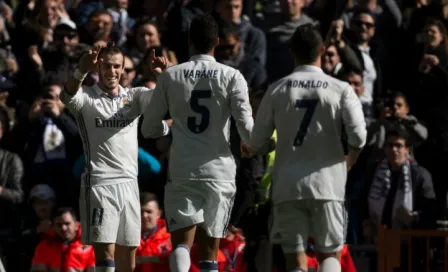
308, 111
199, 101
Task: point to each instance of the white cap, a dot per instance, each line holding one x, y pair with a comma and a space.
67, 22
42, 191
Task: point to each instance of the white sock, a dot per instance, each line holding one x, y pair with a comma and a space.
105, 266
298, 270
180, 259
208, 266
330, 265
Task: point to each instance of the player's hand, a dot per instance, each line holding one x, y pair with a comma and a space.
169, 122
89, 61
246, 152
347, 162
157, 64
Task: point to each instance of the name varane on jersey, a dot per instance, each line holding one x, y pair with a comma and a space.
200, 96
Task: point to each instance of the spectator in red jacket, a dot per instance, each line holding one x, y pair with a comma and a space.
62, 250
347, 264
194, 267
232, 247
155, 245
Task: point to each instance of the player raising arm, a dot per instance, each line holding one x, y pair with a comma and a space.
200, 96
107, 116
308, 110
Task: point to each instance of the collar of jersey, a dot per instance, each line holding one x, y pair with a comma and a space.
202, 57
307, 68
100, 92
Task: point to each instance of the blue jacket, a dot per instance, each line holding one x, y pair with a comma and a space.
147, 165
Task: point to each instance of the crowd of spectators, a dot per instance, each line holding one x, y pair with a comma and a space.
394, 53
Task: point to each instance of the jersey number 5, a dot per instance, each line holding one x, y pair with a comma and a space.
196, 95
310, 106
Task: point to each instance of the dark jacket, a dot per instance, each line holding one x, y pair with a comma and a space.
11, 174
423, 196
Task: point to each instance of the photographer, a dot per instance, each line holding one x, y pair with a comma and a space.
394, 111
51, 145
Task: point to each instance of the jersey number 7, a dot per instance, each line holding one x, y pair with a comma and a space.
310, 106
197, 95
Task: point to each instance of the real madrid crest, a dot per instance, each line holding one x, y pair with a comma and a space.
125, 102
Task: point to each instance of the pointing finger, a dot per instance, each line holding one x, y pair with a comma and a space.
153, 54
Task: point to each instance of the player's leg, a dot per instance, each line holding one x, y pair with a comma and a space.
182, 241
219, 199
290, 229
183, 209
99, 222
129, 230
329, 225
125, 258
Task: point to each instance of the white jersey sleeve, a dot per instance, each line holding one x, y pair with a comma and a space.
353, 119
75, 102
240, 106
141, 97
153, 125
264, 125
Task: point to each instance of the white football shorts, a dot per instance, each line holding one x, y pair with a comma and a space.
295, 221
207, 204
111, 214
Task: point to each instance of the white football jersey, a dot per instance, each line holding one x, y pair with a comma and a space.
200, 96
108, 128
309, 109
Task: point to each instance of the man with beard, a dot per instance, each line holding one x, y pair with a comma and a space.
59, 60
231, 52
107, 116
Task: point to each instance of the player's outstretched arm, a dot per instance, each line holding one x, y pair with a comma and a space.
264, 127
71, 96
157, 64
87, 63
153, 125
240, 106
355, 125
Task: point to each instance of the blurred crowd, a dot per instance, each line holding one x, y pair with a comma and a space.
394, 53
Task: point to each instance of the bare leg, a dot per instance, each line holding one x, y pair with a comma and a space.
104, 255
182, 241
208, 251
125, 258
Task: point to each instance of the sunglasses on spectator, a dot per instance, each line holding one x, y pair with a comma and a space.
397, 145
129, 70
61, 36
360, 23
